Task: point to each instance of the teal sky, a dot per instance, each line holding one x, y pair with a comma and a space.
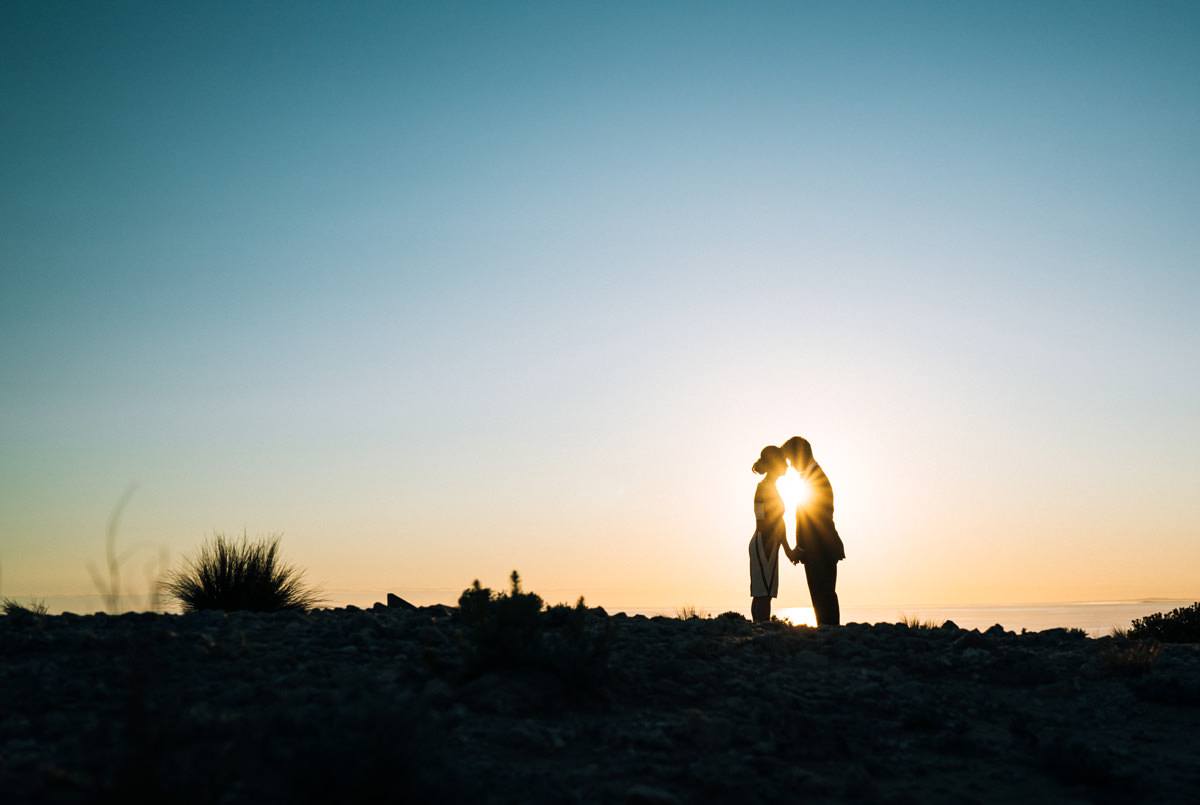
437, 290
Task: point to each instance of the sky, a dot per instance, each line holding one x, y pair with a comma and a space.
439, 290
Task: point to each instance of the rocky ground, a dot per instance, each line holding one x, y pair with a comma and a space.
402, 704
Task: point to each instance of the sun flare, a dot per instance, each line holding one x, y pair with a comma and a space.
794, 490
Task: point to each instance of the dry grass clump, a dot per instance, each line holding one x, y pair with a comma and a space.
240, 575
687, 613
1133, 659
11, 606
916, 623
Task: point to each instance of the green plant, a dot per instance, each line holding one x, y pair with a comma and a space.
240, 576
1180, 625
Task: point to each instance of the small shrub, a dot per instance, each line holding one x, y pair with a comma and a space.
575, 648
240, 576
512, 631
913, 622
687, 613
503, 628
1180, 625
10, 606
1119, 632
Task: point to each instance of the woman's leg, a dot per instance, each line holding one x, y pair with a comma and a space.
760, 608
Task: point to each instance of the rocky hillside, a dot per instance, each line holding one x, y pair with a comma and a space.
406, 704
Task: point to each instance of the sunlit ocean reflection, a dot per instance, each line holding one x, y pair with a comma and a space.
1096, 618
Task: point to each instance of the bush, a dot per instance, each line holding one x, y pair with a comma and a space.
503, 628
240, 576
512, 631
1180, 625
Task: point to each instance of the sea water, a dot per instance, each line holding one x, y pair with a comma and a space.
1097, 618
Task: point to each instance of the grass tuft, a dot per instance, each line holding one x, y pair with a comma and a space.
687, 613
10, 606
240, 575
913, 622
1135, 658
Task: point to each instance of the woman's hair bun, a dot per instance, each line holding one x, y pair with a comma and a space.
770, 455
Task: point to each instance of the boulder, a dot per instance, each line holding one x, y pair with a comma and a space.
396, 602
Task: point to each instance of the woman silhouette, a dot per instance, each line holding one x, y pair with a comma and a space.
769, 534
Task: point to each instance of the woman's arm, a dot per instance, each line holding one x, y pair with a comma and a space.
793, 556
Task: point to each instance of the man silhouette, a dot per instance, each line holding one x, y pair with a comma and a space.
817, 538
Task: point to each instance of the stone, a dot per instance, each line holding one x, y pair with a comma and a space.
396, 602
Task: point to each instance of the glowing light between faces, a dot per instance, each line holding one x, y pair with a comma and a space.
794, 490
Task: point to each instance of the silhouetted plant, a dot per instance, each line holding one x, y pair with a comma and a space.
687, 613
913, 622
576, 649
10, 606
1180, 625
503, 627
108, 584
511, 630
240, 576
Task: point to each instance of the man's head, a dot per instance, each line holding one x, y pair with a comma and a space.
798, 451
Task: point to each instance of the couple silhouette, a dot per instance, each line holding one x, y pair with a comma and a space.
818, 546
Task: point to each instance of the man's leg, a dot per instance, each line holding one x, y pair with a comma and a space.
822, 580
833, 610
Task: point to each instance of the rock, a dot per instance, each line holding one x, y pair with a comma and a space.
995, 631
378, 607
396, 602
971, 639
950, 625
649, 795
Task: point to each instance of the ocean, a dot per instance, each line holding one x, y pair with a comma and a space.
1097, 618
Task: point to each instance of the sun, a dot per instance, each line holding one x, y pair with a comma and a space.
794, 490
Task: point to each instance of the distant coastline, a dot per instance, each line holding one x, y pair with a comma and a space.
1097, 618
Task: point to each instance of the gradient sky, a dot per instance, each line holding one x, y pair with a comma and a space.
438, 290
